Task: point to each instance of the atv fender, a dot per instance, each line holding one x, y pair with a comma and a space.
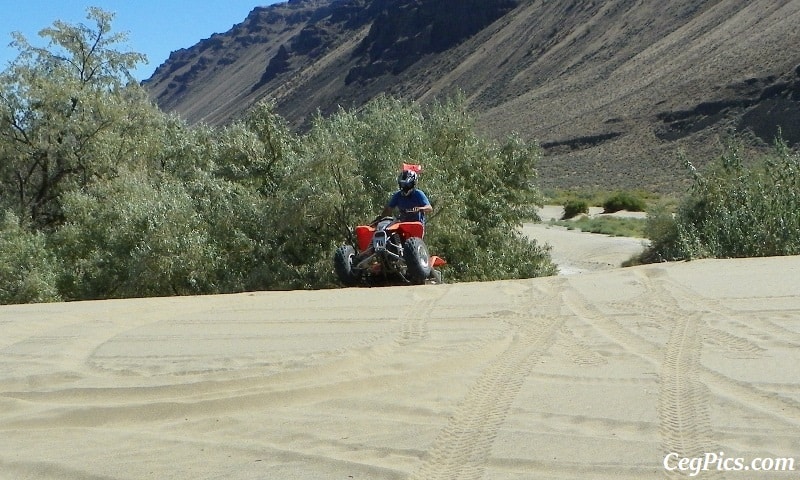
364, 236
437, 261
407, 230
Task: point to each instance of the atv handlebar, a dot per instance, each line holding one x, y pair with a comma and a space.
380, 218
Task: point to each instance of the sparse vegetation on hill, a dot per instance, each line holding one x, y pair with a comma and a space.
104, 196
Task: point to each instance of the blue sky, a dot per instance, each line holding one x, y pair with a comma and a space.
155, 27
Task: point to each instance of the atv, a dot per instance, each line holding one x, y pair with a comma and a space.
389, 252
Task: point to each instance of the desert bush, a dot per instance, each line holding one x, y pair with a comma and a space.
663, 232
182, 226
574, 207
481, 190
28, 270
736, 211
624, 200
596, 197
132, 236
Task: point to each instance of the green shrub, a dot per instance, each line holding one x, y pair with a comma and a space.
27, 269
481, 190
735, 211
574, 207
624, 201
663, 232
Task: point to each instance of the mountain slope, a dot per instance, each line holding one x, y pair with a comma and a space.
612, 90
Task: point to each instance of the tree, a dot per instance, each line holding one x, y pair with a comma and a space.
68, 113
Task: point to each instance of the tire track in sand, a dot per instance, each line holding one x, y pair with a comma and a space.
747, 395
415, 323
684, 400
683, 403
687, 385
462, 448
353, 365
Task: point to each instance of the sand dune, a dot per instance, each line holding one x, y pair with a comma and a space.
597, 375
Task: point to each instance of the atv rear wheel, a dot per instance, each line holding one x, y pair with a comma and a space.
343, 265
418, 261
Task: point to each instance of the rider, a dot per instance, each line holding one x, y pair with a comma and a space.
412, 202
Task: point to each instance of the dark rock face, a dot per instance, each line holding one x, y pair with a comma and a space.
768, 107
277, 65
406, 30
776, 114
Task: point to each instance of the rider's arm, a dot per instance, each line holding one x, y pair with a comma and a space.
424, 209
388, 210
426, 206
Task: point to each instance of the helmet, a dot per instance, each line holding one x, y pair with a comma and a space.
407, 181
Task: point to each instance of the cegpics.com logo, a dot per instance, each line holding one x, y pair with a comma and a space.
719, 462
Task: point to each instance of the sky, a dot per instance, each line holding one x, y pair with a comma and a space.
154, 27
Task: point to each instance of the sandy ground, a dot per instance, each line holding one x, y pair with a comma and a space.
596, 375
576, 252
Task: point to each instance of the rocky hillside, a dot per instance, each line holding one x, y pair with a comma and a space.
611, 89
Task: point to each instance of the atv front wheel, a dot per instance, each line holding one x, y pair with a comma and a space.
343, 265
418, 262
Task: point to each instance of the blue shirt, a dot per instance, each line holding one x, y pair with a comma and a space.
416, 198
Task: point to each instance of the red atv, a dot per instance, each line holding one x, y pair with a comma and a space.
388, 251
